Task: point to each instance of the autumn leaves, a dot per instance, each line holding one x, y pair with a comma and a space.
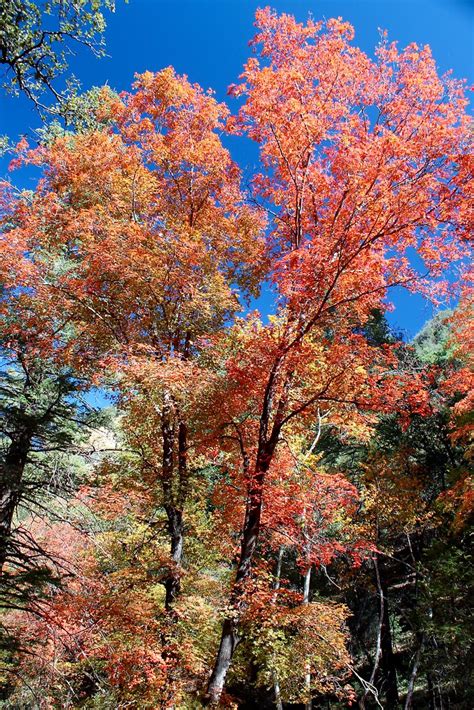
134, 256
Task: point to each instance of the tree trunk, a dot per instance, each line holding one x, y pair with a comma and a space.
173, 511
228, 644
307, 586
431, 694
388, 668
251, 529
11, 474
378, 646
173, 582
229, 637
307, 678
276, 689
411, 684
276, 586
250, 533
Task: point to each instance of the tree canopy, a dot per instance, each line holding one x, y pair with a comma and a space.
276, 511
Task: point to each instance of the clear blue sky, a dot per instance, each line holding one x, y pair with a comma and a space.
207, 40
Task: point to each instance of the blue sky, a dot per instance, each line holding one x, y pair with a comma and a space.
207, 40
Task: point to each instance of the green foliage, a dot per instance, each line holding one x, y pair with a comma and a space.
432, 342
36, 37
81, 113
45, 427
49, 400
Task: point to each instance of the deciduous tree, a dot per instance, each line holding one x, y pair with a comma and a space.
362, 160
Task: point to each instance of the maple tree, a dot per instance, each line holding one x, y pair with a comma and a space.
362, 159
131, 264
149, 237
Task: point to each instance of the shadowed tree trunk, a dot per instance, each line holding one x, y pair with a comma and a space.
307, 679
378, 646
11, 475
173, 582
267, 440
414, 671
230, 636
387, 665
172, 500
276, 586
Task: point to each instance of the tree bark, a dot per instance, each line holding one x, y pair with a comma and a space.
411, 684
173, 582
276, 586
173, 511
228, 644
11, 475
307, 679
229, 637
387, 665
378, 646
175, 516
431, 694
253, 512
276, 690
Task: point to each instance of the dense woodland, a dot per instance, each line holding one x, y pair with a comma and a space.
202, 504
